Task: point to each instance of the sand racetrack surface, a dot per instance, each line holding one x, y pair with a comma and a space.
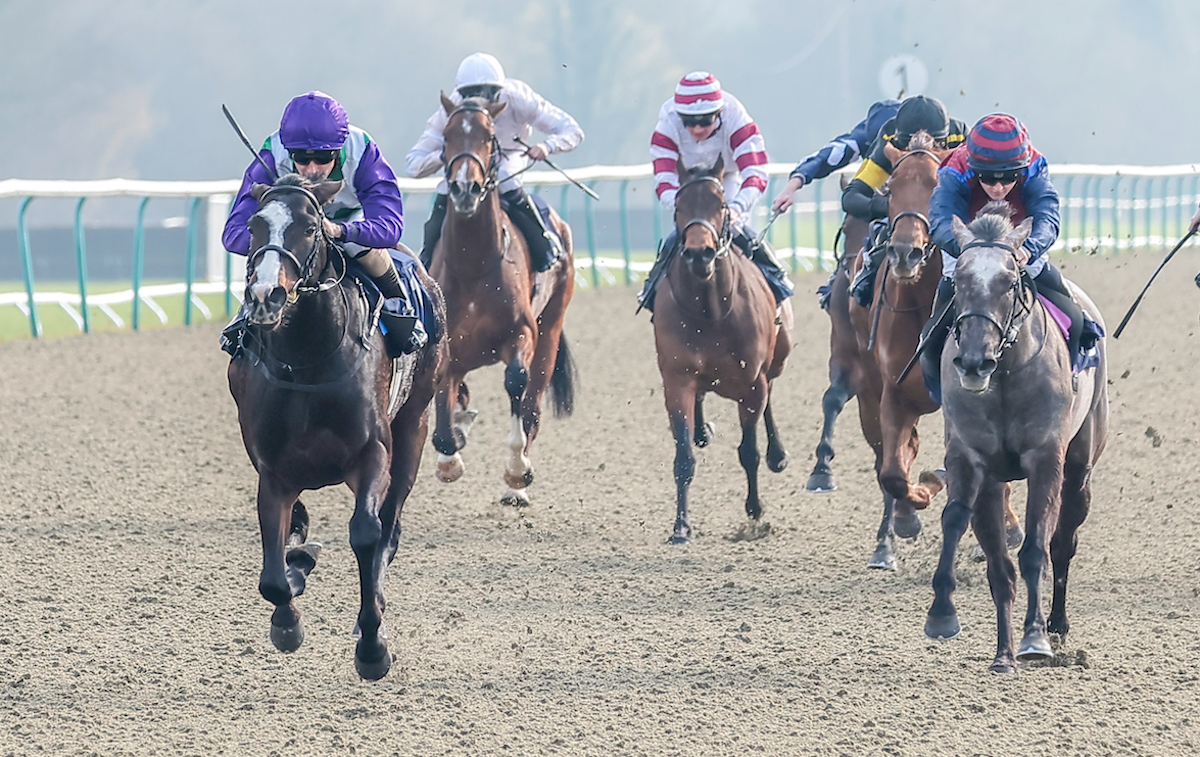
130, 621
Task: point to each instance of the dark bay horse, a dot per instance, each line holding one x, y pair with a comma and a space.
845, 359
716, 329
498, 309
1013, 411
319, 403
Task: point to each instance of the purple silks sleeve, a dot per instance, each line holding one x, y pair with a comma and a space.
236, 236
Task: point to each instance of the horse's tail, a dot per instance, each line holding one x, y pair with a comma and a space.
562, 381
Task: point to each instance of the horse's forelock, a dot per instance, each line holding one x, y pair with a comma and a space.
991, 227
921, 141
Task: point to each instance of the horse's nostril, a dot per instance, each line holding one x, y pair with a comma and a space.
277, 297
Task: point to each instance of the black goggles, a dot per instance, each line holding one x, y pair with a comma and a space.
708, 119
999, 177
489, 92
301, 157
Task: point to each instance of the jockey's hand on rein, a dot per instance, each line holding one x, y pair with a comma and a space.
537, 152
334, 230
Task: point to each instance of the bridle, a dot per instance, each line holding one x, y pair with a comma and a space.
1022, 305
320, 242
723, 237
929, 247
491, 171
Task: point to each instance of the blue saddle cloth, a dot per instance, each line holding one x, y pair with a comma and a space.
417, 296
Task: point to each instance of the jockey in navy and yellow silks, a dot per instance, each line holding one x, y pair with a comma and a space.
861, 198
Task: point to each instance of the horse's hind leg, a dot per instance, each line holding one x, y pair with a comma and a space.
777, 456
449, 433
369, 537
518, 472
705, 431
280, 581
832, 404
1076, 503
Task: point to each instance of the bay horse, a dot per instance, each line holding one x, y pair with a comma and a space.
716, 329
1013, 410
845, 360
888, 334
320, 403
498, 308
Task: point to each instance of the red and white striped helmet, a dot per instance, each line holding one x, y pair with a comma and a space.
698, 94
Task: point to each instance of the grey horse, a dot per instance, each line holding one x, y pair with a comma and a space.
1014, 411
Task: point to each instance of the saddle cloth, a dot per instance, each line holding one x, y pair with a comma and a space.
1089, 354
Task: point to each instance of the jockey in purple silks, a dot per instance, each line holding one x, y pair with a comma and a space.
366, 218
998, 162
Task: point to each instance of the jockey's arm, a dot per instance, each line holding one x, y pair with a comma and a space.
426, 155
563, 133
1041, 204
379, 196
236, 235
951, 199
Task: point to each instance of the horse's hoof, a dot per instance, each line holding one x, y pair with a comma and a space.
304, 556
677, 539
705, 434
287, 639
754, 509
1004, 666
519, 481
1035, 646
906, 526
462, 420
1015, 537
515, 498
933, 481
942, 629
372, 669
883, 559
819, 483
777, 465
449, 468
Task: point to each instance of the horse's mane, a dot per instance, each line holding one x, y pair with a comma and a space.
993, 224
921, 141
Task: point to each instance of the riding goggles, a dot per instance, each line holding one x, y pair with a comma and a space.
708, 119
999, 177
301, 157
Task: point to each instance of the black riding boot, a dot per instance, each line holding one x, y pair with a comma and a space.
646, 297
862, 286
433, 228
544, 245
1050, 284
935, 331
403, 331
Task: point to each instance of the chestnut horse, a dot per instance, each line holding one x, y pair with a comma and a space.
498, 309
888, 334
319, 403
716, 329
1013, 410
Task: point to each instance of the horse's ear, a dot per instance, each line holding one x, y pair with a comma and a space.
258, 190
326, 191
892, 153
1017, 236
961, 232
718, 169
495, 109
447, 103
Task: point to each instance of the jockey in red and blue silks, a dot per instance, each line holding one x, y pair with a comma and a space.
366, 218
998, 162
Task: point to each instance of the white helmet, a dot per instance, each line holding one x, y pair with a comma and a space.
479, 69
698, 94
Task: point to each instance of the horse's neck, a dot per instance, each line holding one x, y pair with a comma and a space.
1035, 337
315, 325
474, 243
709, 299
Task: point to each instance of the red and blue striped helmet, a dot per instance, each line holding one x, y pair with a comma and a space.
313, 121
999, 142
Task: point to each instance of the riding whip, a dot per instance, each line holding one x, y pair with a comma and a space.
587, 190
1138, 301
925, 342
763, 234
233, 122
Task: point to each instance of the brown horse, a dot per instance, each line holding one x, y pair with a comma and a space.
888, 334
498, 309
1013, 410
716, 329
845, 358
319, 403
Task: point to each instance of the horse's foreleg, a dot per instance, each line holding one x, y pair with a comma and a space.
680, 406
1076, 503
750, 407
898, 427
989, 527
884, 556
1045, 466
518, 472
369, 482
832, 404
278, 582
449, 436
777, 456
704, 431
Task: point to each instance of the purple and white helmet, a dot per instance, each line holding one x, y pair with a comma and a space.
314, 121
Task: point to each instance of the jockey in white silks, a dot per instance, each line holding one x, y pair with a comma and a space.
696, 126
481, 76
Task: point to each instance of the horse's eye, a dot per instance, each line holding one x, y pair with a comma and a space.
311, 230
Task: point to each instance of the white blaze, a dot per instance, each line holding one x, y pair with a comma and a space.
278, 217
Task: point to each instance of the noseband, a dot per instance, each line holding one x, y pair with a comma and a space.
305, 269
724, 237
1022, 306
492, 170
